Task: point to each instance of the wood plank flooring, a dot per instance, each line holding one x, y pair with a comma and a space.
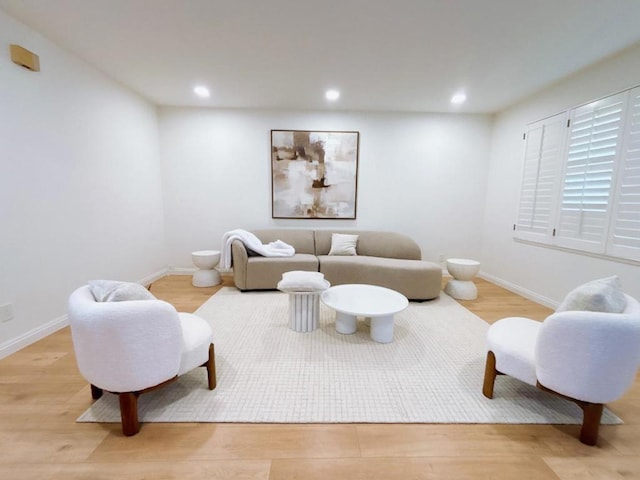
42, 393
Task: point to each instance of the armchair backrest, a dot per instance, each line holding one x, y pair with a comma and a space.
590, 356
124, 346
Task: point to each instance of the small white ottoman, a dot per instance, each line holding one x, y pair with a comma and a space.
304, 289
206, 261
461, 287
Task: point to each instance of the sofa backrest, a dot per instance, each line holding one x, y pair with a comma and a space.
300, 239
372, 243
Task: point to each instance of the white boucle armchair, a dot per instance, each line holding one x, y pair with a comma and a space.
132, 347
588, 357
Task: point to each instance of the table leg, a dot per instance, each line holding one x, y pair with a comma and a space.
382, 329
346, 323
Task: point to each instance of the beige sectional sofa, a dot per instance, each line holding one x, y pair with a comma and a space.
386, 259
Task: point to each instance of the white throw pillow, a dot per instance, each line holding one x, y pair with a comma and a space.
342, 244
301, 281
603, 295
112, 291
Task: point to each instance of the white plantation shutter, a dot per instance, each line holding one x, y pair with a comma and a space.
540, 179
586, 197
624, 238
581, 180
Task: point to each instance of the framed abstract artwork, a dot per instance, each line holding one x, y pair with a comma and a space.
314, 174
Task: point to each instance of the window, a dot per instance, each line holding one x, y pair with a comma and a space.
624, 232
581, 179
592, 151
538, 197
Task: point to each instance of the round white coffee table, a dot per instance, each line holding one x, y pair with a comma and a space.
377, 303
206, 261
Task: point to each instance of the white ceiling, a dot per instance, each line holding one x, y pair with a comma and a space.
386, 55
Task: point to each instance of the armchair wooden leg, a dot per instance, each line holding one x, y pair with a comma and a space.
211, 368
592, 414
129, 413
96, 392
490, 373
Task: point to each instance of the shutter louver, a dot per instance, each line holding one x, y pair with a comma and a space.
625, 229
540, 179
593, 144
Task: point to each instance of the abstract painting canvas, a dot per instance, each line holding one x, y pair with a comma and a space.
314, 174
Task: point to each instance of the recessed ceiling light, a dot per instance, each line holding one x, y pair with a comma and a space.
459, 98
201, 91
332, 95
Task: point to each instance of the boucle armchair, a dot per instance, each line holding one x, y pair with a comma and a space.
589, 357
132, 347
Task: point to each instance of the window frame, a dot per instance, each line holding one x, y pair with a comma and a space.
619, 165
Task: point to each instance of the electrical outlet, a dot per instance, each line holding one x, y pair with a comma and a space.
441, 258
6, 312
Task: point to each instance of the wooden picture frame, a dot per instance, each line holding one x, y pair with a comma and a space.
314, 174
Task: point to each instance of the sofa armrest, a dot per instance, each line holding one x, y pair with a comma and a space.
239, 258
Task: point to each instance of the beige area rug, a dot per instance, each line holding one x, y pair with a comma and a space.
431, 373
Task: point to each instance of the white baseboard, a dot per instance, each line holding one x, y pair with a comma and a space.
181, 270
32, 336
512, 287
192, 270
149, 279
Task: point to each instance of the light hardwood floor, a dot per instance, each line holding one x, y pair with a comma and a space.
42, 393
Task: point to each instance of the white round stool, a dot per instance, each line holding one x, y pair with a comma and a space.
462, 270
206, 261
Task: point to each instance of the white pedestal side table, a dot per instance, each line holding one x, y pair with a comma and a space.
304, 289
206, 261
304, 311
461, 287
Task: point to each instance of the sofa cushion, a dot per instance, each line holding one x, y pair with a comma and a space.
343, 244
415, 279
265, 272
372, 243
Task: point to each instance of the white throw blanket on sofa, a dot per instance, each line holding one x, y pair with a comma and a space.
273, 249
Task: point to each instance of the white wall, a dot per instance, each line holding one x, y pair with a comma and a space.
543, 273
424, 175
80, 184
